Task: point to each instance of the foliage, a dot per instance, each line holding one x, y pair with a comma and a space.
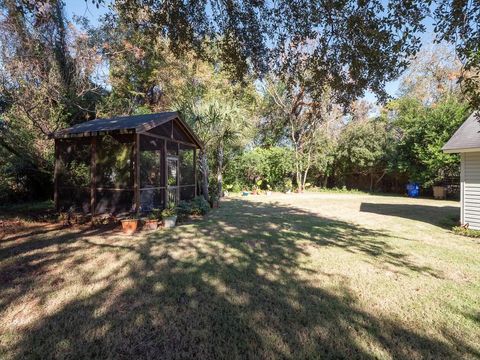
269, 165
269, 87
297, 119
199, 206
457, 23
423, 131
365, 147
465, 231
184, 209
432, 74
169, 211
352, 47
46, 83
336, 190
155, 214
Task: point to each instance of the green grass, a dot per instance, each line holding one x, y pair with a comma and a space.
286, 276
460, 230
29, 211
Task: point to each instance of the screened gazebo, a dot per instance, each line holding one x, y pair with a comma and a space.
125, 164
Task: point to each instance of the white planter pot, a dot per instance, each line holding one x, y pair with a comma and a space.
169, 222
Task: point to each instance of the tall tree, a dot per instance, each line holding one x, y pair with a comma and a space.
433, 73
457, 22
423, 130
45, 82
348, 46
299, 119
366, 147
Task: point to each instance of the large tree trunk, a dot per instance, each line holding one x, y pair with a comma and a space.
305, 173
298, 171
379, 179
220, 170
203, 167
325, 181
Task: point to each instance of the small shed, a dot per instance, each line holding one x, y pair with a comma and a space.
125, 164
466, 142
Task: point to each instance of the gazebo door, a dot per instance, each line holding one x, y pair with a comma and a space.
172, 180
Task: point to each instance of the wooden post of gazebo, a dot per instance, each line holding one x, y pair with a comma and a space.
136, 175
93, 176
55, 176
195, 168
165, 171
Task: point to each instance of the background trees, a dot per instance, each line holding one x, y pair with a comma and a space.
270, 87
424, 130
46, 83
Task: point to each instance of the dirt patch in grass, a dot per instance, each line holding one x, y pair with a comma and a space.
279, 277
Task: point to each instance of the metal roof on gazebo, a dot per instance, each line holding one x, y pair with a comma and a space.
124, 124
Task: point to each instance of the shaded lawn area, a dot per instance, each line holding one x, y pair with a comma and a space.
290, 276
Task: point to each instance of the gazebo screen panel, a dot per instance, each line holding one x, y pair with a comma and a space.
114, 201
152, 173
187, 172
114, 173
73, 177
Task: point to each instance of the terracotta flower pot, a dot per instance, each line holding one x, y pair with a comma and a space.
151, 224
129, 226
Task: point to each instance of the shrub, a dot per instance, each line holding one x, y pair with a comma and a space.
199, 206
461, 230
169, 211
287, 184
184, 208
155, 214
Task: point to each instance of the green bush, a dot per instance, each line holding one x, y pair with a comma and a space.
460, 230
155, 214
199, 206
169, 211
287, 185
184, 209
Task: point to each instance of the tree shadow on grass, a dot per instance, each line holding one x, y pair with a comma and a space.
231, 286
442, 216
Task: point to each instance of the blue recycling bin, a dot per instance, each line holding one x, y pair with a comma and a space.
413, 190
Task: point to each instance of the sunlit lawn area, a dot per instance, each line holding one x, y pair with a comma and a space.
286, 276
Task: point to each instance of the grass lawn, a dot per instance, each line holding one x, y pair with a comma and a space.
315, 275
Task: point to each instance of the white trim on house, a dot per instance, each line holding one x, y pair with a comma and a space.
466, 150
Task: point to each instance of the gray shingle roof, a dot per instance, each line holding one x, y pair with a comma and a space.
134, 122
466, 137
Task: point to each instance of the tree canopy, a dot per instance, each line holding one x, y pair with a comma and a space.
257, 80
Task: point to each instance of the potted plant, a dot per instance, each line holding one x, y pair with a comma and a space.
169, 216
259, 186
152, 220
130, 224
269, 190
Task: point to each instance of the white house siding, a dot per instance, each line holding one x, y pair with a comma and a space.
470, 180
